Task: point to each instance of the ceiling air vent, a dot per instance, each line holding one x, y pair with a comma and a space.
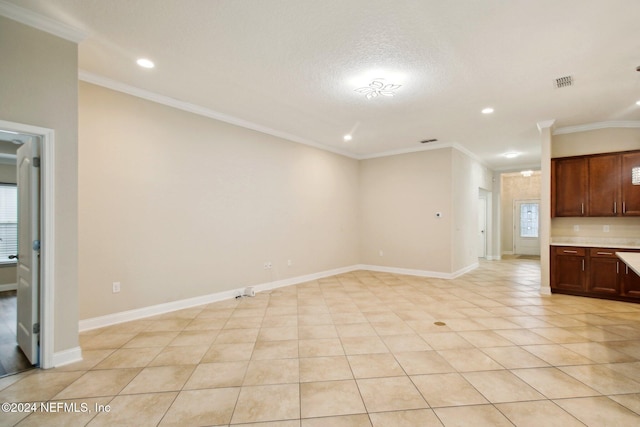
426, 141
564, 81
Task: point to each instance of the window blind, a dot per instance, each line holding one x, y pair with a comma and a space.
8, 222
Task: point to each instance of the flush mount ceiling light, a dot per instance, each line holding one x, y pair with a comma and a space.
378, 87
527, 174
347, 138
145, 63
638, 103
487, 110
510, 154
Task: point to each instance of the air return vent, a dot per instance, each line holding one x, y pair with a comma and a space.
564, 81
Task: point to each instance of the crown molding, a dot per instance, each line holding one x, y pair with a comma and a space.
428, 147
596, 126
41, 22
202, 111
544, 124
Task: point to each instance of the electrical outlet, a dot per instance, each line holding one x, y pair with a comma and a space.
116, 287
289, 263
605, 228
267, 265
381, 253
576, 228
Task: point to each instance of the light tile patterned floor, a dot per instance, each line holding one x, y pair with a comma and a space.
360, 349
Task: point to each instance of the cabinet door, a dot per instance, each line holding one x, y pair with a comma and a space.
603, 275
604, 185
630, 286
568, 269
630, 192
570, 176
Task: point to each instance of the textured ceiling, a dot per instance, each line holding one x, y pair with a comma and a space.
292, 65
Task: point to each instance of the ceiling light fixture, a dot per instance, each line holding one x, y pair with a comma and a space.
511, 154
145, 63
378, 87
527, 174
487, 110
347, 137
638, 103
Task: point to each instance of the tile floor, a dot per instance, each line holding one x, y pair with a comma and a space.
359, 349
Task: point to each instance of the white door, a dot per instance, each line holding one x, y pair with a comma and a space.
482, 227
28, 266
526, 224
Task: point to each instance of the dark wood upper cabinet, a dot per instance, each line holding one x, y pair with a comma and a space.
630, 192
604, 185
595, 185
570, 186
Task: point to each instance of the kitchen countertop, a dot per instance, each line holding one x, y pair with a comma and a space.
596, 242
631, 259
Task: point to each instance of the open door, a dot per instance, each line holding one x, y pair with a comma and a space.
28, 258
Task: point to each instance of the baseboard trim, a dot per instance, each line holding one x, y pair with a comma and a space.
154, 310
9, 287
507, 252
494, 258
66, 357
420, 273
545, 290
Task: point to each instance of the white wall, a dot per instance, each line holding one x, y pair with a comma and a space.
39, 87
175, 205
467, 177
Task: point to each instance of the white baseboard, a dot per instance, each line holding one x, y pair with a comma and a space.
545, 290
494, 257
420, 273
66, 357
507, 252
9, 287
153, 310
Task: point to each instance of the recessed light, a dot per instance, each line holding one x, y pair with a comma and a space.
347, 137
145, 63
511, 154
487, 110
638, 103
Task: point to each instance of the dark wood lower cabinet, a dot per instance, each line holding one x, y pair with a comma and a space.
630, 283
595, 272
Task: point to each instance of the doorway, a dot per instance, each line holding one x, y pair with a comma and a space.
19, 251
44, 311
526, 224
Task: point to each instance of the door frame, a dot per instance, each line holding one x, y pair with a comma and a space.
483, 199
47, 236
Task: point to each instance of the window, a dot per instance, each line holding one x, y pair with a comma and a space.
529, 220
8, 222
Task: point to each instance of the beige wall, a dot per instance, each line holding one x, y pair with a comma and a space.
514, 187
595, 141
175, 205
39, 87
7, 175
399, 198
592, 142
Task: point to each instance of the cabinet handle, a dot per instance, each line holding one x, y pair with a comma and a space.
617, 267
582, 265
582, 208
615, 207
569, 252
605, 253
624, 208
